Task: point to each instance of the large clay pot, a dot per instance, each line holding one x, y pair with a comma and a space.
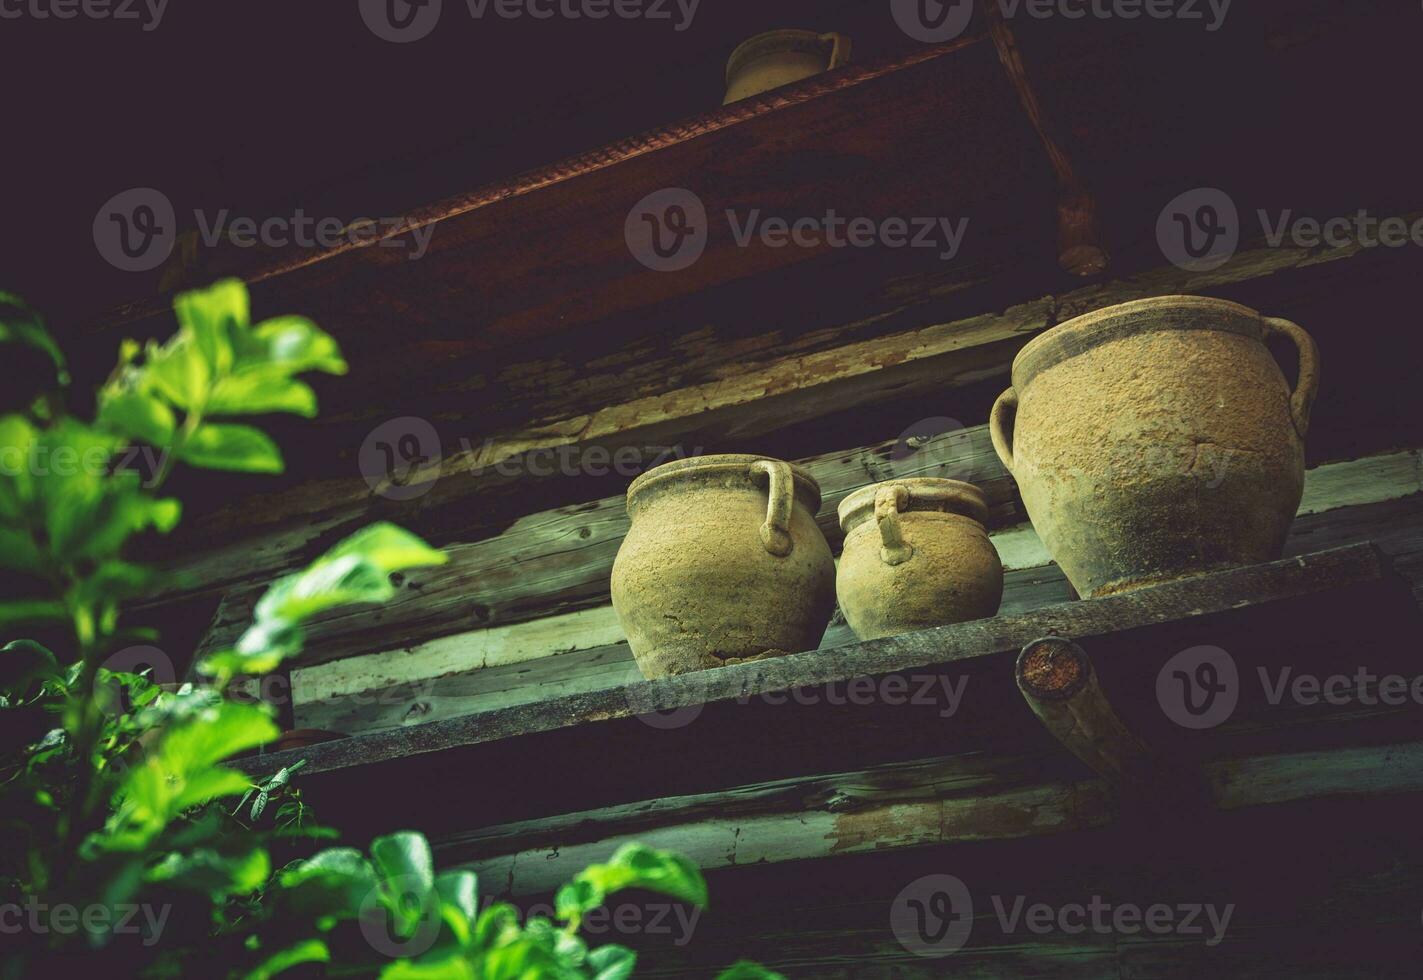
778, 58
724, 562
1158, 439
916, 556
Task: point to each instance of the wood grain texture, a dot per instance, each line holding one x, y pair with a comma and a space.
617, 746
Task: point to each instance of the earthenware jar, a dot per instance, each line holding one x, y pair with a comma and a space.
778, 58
916, 555
723, 562
1158, 439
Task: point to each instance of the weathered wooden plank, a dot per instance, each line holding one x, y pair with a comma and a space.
897, 807
610, 747
1396, 527
563, 559
1355, 483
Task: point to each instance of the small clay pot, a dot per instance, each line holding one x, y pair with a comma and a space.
917, 555
723, 562
1158, 439
778, 58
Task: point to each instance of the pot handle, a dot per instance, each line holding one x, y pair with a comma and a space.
839, 49
1302, 399
998, 426
776, 532
890, 499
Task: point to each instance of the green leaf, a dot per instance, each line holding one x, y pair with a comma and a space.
137, 415
178, 370
459, 889
292, 344
746, 970
18, 551
407, 870
182, 771
306, 951
24, 666
449, 965
612, 962
216, 875
20, 324
333, 883
19, 613
238, 448
639, 866
18, 440
212, 316
258, 393
356, 570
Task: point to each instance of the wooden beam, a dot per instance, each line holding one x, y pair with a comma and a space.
558, 561
1299, 603
895, 807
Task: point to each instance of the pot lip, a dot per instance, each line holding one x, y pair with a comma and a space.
805, 484
973, 505
772, 42
1111, 322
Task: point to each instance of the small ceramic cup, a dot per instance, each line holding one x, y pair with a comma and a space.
778, 58
917, 555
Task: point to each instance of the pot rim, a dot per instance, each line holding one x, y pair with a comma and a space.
967, 500
1074, 336
807, 488
777, 41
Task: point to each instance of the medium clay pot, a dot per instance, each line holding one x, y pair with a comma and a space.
778, 58
916, 556
724, 562
1158, 439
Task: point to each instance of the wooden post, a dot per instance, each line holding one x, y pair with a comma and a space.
1059, 684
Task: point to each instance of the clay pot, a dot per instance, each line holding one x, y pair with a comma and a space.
916, 556
1158, 439
778, 58
724, 562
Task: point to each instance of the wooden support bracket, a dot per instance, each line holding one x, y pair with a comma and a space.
1079, 245
1059, 683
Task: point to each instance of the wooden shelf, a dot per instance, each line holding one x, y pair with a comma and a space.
525, 764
